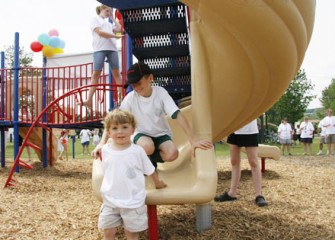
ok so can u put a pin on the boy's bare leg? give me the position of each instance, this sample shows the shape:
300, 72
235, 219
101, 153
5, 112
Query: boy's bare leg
95, 77
147, 144
131, 235
109, 234
168, 151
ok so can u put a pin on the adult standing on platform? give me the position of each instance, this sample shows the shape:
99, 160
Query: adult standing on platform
104, 29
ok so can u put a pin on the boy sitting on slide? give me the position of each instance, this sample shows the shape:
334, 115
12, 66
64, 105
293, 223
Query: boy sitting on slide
150, 105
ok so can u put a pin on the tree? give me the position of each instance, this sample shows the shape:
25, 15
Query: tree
328, 96
294, 102
25, 58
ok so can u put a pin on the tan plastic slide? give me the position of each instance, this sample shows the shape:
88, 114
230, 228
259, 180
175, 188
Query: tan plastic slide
35, 137
244, 55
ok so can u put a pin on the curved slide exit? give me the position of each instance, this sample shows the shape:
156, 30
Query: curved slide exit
244, 56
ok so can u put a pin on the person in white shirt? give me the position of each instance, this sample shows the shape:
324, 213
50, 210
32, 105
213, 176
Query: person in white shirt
123, 186
307, 131
322, 135
104, 28
329, 125
247, 137
85, 140
285, 136
96, 137
297, 134
150, 105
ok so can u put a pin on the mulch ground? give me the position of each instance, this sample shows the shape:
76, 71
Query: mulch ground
57, 203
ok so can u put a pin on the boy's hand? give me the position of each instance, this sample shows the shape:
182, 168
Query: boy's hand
160, 184
96, 152
202, 144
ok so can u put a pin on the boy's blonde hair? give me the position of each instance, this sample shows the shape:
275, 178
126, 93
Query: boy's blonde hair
119, 116
98, 9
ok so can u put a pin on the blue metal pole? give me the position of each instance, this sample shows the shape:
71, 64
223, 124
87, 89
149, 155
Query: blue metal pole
3, 140
44, 118
111, 95
129, 48
16, 96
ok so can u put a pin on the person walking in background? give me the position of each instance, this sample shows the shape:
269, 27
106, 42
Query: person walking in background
96, 137
307, 130
285, 136
247, 137
322, 135
123, 191
63, 140
297, 134
104, 28
60, 147
329, 125
85, 140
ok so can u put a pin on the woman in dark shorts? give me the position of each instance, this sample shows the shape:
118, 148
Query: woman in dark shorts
246, 137
307, 131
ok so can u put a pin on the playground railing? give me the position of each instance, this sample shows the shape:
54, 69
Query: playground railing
37, 87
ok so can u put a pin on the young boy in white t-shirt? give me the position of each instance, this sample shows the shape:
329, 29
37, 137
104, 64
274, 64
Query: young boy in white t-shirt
150, 105
123, 186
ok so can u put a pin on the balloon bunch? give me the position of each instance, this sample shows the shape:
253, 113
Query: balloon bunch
49, 44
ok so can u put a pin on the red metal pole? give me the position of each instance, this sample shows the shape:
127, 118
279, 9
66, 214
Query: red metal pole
152, 222
263, 165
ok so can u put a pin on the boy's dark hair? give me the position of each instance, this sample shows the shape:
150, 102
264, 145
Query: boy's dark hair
136, 72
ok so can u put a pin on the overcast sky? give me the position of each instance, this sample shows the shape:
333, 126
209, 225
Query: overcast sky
71, 18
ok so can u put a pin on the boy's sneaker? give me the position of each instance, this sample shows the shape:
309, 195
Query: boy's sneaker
319, 153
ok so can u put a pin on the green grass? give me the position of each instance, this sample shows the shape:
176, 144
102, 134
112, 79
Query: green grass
77, 147
220, 149
296, 150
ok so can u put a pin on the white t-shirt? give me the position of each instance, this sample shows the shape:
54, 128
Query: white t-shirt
150, 111
323, 129
123, 185
101, 43
250, 128
285, 131
96, 139
328, 123
307, 130
85, 135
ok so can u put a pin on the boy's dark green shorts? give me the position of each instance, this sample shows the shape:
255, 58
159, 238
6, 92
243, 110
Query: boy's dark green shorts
155, 157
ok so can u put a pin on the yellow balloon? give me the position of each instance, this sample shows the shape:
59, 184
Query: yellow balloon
47, 51
57, 51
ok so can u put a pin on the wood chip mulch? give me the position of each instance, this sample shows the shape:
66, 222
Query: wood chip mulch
57, 203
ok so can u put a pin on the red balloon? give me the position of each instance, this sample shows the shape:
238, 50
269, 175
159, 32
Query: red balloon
36, 46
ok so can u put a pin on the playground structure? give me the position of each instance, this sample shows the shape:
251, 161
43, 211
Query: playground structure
44, 101
244, 56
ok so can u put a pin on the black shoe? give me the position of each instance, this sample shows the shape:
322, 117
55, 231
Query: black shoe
260, 201
224, 198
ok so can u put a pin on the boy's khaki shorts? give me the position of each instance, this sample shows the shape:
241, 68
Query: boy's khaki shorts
133, 219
